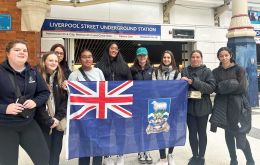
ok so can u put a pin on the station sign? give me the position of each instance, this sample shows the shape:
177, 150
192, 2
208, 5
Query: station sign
99, 30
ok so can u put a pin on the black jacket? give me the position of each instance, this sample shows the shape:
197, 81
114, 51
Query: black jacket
60, 100
139, 74
203, 81
230, 99
32, 86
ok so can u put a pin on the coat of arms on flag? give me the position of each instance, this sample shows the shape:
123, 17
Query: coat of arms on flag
111, 117
158, 113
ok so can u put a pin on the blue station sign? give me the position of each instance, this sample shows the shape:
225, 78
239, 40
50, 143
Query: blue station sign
88, 29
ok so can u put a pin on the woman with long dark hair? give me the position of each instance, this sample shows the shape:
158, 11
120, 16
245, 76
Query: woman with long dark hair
167, 71
114, 68
60, 51
231, 110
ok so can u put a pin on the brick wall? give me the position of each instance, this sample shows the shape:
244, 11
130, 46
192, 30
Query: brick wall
33, 38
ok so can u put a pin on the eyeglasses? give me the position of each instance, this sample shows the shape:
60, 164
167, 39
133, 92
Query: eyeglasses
115, 49
59, 53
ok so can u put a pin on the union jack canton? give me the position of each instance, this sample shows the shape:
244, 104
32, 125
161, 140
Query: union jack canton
100, 98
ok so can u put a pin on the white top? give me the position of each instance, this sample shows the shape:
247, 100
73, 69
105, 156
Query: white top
95, 74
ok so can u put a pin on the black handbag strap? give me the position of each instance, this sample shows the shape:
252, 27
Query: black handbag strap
17, 89
84, 74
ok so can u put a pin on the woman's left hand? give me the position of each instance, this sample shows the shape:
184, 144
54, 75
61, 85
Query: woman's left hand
64, 85
29, 104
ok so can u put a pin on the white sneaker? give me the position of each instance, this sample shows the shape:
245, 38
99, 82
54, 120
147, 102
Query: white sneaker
148, 158
141, 158
162, 162
120, 160
170, 159
108, 161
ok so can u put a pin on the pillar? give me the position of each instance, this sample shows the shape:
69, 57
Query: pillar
241, 40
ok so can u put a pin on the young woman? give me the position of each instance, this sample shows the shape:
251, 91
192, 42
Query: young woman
60, 51
87, 73
22, 91
201, 83
142, 70
167, 71
56, 105
229, 103
114, 68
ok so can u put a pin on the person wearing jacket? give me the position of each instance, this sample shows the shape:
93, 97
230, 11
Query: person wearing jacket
114, 68
201, 84
142, 70
17, 109
60, 51
55, 109
167, 71
230, 104
90, 74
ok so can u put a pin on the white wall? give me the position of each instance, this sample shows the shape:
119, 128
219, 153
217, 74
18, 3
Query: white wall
126, 11
208, 37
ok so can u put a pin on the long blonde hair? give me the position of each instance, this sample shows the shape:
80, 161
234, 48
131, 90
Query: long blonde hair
43, 69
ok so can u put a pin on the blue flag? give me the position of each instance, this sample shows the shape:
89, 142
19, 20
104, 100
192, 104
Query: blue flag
119, 117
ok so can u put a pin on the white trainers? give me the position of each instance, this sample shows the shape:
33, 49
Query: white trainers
148, 158
120, 160
108, 161
141, 158
170, 159
162, 162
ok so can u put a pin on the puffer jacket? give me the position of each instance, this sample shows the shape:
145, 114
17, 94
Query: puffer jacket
203, 81
230, 101
139, 74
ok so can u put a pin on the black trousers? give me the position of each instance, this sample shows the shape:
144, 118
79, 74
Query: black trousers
231, 144
197, 134
54, 142
97, 160
29, 137
163, 152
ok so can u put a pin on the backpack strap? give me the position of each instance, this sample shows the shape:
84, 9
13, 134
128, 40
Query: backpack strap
84, 74
176, 74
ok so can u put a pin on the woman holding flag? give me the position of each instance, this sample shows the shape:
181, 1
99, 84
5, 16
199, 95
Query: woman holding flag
167, 71
114, 68
87, 73
142, 70
201, 84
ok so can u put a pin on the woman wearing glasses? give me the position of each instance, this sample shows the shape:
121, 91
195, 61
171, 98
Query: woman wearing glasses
60, 51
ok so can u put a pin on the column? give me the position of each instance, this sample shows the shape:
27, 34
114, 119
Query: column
241, 40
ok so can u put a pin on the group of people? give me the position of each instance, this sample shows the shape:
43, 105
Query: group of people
33, 105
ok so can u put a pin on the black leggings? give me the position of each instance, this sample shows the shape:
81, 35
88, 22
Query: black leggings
230, 141
197, 134
163, 152
97, 160
29, 137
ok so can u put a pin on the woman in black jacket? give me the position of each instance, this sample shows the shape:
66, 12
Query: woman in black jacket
114, 68
201, 84
230, 104
17, 124
142, 70
56, 105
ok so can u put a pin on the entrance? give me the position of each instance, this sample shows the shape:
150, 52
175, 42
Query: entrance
181, 50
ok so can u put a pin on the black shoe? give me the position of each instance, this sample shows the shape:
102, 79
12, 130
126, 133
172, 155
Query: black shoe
250, 162
200, 161
193, 160
233, 162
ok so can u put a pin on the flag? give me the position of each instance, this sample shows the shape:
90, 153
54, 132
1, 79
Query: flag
119, 117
